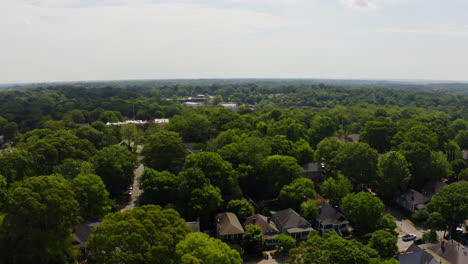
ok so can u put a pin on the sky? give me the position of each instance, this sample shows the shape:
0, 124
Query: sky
79, 40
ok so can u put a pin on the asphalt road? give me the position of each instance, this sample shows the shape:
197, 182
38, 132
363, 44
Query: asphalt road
136, 193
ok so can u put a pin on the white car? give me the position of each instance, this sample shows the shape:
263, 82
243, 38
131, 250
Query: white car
409, 237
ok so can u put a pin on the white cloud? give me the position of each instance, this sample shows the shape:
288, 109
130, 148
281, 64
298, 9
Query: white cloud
359, 4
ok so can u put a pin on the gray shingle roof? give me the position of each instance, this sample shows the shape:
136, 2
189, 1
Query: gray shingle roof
228, 224
328, 215
289, 218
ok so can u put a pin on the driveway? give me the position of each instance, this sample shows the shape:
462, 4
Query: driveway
404, 227
136, 192
270, 260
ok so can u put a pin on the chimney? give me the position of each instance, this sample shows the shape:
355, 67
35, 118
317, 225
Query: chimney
254, 219
268, 219
320, 210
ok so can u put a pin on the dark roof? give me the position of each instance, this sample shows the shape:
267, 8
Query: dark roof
415, 255
414, 197
82, 232
190, 149
311, 167
432, 187
267, 226
289, 218
449, 250
194, 226
228, 224
328, 215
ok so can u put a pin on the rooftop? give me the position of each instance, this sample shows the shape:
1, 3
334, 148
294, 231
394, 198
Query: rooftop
228, 224
328, 215
289, 218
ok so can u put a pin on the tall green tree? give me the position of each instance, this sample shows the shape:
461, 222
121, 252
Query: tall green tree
159, 187
277, 171
358, 161
92, 196
201, 248
393, 175
292, 129
217, 170
252, 240
241, 208
38, 223
115, 165
378, 135
205, 201
164, 151
385, 243
3, 192
450, 205
146, 234
298, 191
331, 248
336, 190
364, 210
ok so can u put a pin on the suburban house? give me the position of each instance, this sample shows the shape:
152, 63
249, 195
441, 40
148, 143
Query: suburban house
446, 251
412, 200
228, 227
415, 255
330, 219
269, 229
465, 156
194, 226
82, 232
432, 187
347, 138
289, 222
313, 171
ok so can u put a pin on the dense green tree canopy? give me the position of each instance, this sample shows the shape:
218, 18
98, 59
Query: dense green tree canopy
92, 196
3, 192
205, 201
298, 191
217, 170
115, 166
385, 243
252, 240
331, 248
358, 161
38, 223
451, 204
200, 248
393, 175
378, 135
147, 234
164, 151
241, 208
364, 210
277, 172
335, 190
159, 187
285, 243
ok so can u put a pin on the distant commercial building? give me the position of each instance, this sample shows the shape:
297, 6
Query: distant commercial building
231, 106
139, 122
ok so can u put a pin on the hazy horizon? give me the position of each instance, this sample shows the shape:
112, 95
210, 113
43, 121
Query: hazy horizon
105, 40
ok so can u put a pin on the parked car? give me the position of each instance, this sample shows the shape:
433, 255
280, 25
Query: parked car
409, 237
